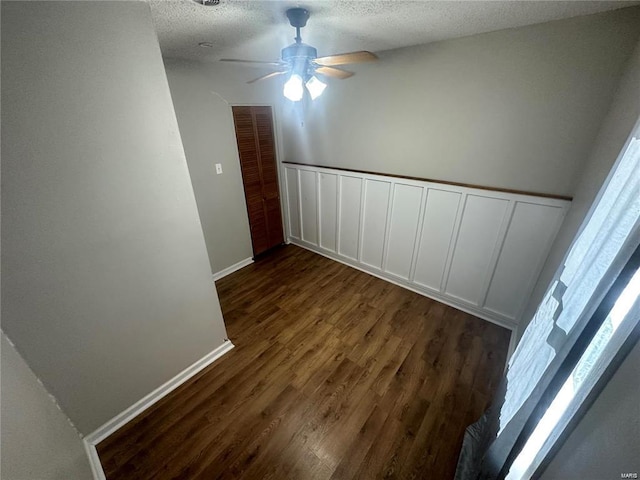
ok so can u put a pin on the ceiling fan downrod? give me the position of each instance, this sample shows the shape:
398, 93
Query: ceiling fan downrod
299, 55
298, 18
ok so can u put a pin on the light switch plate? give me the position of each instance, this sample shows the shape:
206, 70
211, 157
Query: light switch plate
218, 168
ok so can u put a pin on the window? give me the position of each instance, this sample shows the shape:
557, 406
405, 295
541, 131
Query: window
585, 322
582, 280
622, 319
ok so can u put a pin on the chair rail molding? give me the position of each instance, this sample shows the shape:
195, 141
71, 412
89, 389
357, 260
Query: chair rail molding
476, 249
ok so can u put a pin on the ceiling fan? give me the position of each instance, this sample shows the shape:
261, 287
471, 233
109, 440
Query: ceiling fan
301, 63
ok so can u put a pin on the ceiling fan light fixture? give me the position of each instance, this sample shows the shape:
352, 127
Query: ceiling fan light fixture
301, 62
294, 88
315, 87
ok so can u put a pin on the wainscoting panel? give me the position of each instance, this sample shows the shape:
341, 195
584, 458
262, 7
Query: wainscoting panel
477, 249
405, 217
328, 210
350, 202
473, 249
309, 206
532, 228
293, 200
438, 230
374, 224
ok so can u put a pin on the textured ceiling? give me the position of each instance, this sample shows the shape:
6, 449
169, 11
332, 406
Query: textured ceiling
257, 30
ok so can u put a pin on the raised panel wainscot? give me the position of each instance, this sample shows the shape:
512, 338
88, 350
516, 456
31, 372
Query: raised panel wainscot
477, 249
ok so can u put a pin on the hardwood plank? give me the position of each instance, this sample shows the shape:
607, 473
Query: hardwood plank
233, 446
377, 455
332, 446
399, 451
335, 374
270, 461
364, 440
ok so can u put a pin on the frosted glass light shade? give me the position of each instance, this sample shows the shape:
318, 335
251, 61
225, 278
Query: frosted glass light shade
315, 87
294, 88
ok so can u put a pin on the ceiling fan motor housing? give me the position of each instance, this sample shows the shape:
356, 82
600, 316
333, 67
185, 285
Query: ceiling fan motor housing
299, 57
299, 50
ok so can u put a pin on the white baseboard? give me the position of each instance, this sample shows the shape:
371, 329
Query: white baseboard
433, 295
232, 268
141, 405
94, 460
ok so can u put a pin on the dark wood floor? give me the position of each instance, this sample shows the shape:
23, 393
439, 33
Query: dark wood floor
336, 374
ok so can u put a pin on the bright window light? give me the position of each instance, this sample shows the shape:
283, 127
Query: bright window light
294, 88
315, 87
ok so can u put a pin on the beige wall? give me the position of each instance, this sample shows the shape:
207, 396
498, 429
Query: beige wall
604, 444
106, 285
623, 114
38, 442
516, 108
202, 95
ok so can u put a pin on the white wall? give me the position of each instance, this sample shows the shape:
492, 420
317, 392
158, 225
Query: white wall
106, 287
202, 95
623, 114
517, 108
38, 442
605, 442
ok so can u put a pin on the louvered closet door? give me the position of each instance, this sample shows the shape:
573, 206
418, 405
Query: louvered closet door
256, 146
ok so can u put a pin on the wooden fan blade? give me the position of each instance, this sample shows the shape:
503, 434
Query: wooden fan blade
345, 58
334, 72
264, 77
253, 62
